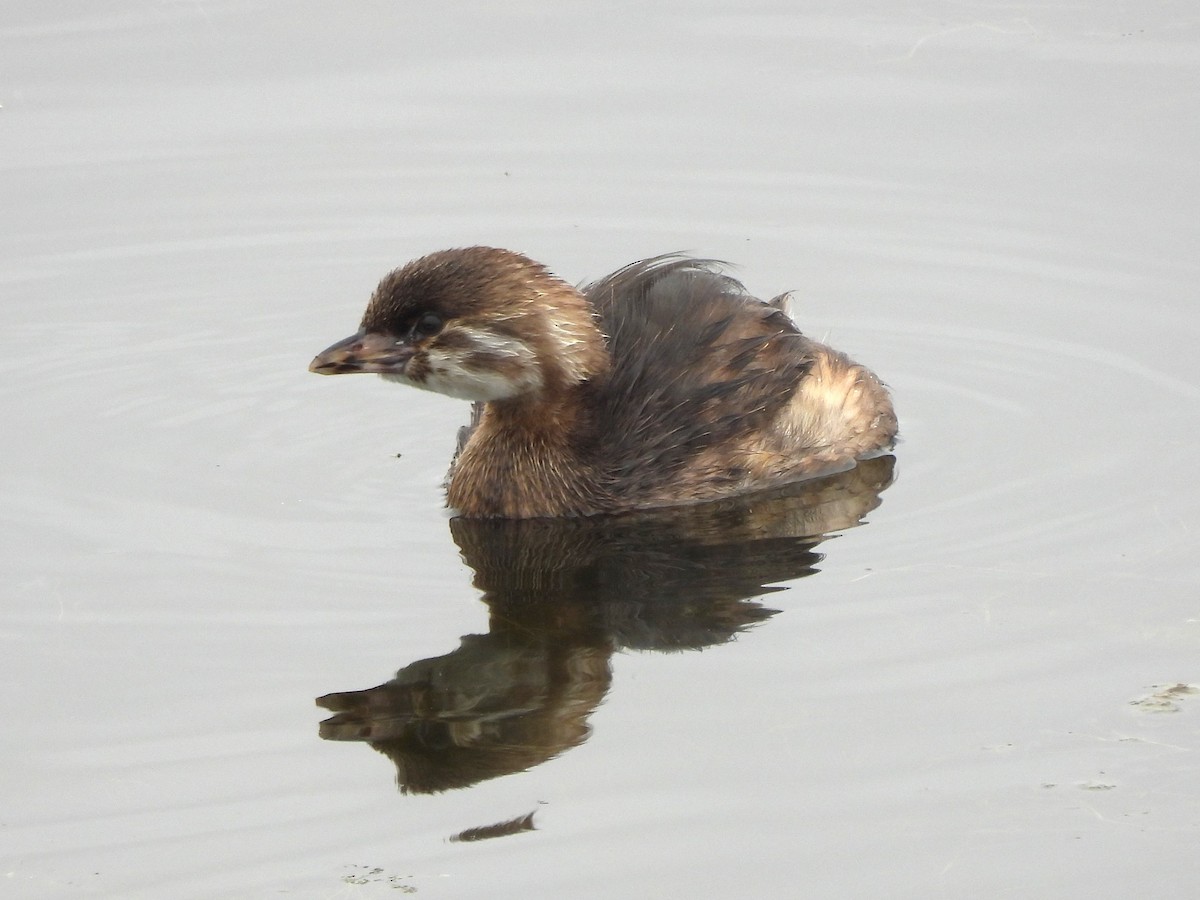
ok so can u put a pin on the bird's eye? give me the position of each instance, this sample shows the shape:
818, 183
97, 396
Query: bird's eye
427, 326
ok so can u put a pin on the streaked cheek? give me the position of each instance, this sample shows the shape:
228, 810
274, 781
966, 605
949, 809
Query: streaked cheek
415, 373
482, 365
501, 365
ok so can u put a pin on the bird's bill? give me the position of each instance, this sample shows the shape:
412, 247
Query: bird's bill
363, 352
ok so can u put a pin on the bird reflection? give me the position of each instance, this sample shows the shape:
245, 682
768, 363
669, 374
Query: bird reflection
563, 595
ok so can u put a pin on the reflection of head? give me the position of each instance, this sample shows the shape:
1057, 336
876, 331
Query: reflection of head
563, 595
492, 707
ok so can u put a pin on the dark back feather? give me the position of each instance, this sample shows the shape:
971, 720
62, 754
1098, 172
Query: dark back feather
697, 364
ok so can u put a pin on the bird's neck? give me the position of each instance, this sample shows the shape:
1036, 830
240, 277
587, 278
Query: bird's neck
526, 458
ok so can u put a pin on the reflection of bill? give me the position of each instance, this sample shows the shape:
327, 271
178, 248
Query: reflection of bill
563, 595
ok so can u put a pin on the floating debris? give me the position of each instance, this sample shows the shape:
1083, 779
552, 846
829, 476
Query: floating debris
500, 829
377, 875
1165, 697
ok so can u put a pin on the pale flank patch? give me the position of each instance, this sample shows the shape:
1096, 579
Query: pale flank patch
838, 404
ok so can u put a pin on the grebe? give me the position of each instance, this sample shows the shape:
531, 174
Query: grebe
665, 383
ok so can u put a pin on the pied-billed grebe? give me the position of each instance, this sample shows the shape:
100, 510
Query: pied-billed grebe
664, 383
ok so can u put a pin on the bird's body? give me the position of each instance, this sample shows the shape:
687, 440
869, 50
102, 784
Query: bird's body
664, 383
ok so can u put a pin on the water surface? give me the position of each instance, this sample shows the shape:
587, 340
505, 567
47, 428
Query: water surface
975, 694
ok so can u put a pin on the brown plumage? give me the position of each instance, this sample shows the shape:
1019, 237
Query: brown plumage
664, 383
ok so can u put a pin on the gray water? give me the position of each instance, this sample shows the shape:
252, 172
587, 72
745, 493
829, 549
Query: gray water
980, 692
